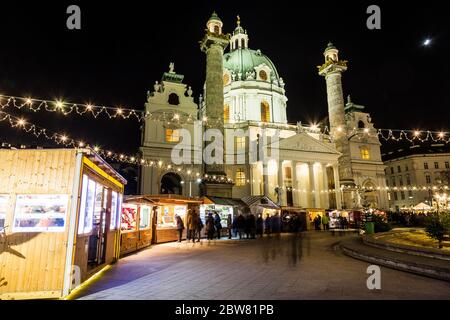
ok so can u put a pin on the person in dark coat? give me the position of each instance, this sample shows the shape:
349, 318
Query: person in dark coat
217, 224
210, 229
180, 227
259, 226
251, 226
275, 223
240, 225
268, 224
230, 225
199, 229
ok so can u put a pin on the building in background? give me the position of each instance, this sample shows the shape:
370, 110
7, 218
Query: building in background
253, 99
414, 174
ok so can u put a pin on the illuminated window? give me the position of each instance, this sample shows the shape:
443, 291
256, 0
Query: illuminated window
226, 113
172, 135
240, 143
365, 153
389, 196
265, 112
240, 177
263, 75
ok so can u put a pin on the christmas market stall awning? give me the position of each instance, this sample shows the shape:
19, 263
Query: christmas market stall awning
422, 206
261, 201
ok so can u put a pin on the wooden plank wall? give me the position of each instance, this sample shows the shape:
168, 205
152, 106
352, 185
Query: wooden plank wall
33, 263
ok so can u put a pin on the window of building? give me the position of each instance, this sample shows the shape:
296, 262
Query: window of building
263, 75
361, 124
387, 182
174, 99
400, 180
240, 177
287, 173
236, 44
365, 153
226, 113
395, 196
447, 165
399, 169
393, 181
410, 194
242, 43
389, 196
402, 195
172, 135
408, 180
428, 178
392, 170
425, 165
265, 112
436, 165
240, 143
216, 29
406, 167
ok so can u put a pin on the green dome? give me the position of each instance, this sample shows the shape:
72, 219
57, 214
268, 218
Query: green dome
214, 16
245, 60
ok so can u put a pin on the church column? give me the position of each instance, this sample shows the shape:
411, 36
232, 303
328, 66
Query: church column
250, 178
337, 187
295, 197
312, 184
266, 178
281, 183
326, 198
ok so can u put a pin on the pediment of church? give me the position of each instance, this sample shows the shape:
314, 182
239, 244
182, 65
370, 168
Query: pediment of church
305, 143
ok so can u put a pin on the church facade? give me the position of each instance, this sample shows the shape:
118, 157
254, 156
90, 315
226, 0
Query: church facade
311, 169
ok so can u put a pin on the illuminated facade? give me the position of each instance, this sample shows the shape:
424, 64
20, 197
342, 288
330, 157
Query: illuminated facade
306, 170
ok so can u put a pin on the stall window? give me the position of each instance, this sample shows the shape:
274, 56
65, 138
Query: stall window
3, 207
129, 215
144, 219
40, 213
86, 205
115, 209
166, 215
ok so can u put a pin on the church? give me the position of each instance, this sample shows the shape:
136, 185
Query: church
340, 168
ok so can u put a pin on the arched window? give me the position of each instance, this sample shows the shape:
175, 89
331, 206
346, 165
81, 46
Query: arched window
361, 124
240, 177
263, 75
236, 44
226, 113
174, 99
265, 112
216, 29
242, 43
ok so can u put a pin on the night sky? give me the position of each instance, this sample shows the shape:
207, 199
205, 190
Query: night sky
123, 47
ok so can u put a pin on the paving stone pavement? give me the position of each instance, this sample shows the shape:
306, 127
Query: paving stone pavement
305, 266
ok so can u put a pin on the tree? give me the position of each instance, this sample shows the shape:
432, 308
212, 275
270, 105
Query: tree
437, 225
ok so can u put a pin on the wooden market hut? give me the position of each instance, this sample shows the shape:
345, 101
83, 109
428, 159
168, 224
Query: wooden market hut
59, 212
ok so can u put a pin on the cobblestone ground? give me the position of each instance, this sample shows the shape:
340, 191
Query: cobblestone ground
306, 266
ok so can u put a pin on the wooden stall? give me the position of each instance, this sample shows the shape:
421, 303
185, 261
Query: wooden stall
136, 224
59, 209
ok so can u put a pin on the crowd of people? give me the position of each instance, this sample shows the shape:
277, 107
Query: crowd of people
323, 223
244, 227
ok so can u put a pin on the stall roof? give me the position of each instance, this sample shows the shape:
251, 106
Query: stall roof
101, 163
225, 201
262, 201
163, 198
